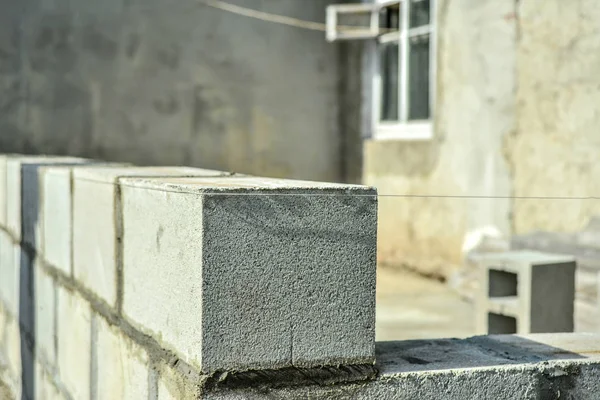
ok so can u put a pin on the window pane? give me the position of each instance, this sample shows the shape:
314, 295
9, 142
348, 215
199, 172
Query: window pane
419, 78
389, 81
389, 17
419, 13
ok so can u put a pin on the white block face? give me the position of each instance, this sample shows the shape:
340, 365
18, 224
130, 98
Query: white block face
122, 365
13, 198
234, 282
57, 224
9, 273
45, 307
22, 194
74, 343
3, 191
96, 219
12, 344
163, 232
94, 238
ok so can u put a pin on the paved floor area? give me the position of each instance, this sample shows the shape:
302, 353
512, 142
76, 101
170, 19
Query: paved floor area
412, 307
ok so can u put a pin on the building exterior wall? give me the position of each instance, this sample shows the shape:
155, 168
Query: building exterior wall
155, 82
555, 151
474, 116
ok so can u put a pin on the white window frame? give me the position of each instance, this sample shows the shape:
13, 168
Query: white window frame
333, 33
403, 129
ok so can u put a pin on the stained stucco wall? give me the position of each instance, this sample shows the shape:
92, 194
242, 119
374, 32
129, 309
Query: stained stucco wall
474, 115
159, 82
557, 148
517, 115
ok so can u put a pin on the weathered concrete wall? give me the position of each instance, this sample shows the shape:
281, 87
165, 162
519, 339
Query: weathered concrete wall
162, 83
555, 151
474, 113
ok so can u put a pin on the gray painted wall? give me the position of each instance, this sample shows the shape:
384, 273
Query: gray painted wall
176, 82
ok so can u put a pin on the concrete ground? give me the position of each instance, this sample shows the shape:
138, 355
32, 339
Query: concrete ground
412, 307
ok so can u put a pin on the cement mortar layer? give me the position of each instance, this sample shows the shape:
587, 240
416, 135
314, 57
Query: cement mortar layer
542, 366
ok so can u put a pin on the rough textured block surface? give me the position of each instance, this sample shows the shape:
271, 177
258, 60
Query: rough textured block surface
96, 222
122, 365
45, 388
241, 273
74, 343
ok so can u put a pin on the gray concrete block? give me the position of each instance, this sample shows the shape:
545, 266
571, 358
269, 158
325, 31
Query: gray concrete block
23, 199
122, 366
96, 222
245, 273
74, 343
525, 292
45, 317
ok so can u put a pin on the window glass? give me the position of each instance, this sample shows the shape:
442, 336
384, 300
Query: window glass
390, 69
418, 77
419, 13
389, 18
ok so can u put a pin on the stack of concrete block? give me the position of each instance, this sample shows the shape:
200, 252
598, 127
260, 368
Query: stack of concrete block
525, 292
120, 281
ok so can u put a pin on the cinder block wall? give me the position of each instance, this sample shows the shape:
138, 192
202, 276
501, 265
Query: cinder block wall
125, 282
